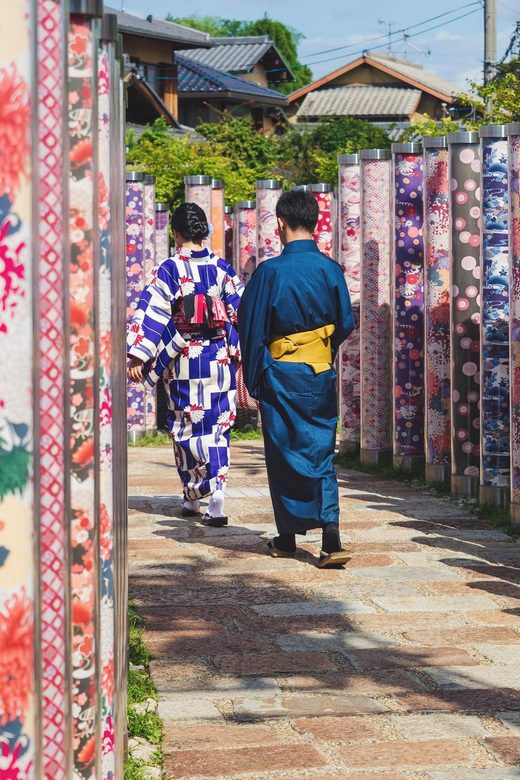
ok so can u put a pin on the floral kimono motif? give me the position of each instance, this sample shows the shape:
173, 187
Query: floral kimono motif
184, 331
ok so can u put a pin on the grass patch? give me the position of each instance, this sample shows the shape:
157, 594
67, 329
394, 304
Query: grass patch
139, 653
134, 769
159, 439
247, 434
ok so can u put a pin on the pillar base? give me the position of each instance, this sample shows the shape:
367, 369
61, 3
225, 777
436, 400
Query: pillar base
134, 436
464, 487
348, 447
411, 464
375, 457
437, 472
494, 496
150, 432
514, 510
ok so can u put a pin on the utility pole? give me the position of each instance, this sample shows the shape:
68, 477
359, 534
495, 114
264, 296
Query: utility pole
490, 40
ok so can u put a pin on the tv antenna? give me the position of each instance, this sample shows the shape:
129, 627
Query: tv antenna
382, 23
407, 42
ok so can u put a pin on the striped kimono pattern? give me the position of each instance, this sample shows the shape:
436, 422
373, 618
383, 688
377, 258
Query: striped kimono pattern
196, 364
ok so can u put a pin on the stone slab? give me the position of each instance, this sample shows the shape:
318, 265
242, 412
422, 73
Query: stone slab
409, 755
175, 707
322, 607
305, 706
435, 603
327, 643
511, 720
438, 726
475, 676
405, 573
501, 654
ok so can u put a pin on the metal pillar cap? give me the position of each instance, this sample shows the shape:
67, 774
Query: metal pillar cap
321, 187
374, 154
198, 180
348, 159
229, 209
513, 128
217, 184
162, 207
109, 30
269, 184
412, 148
149, 178
493, 131
246, 204
301, 188
463, 138
134, 176
434, 141
86, 7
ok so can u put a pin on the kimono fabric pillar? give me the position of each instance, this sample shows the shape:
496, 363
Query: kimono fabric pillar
324, 194
268, 193
464, 175
437, 432
150, 412
19, 435
217, 217
245, 239
198, 190
134, 287
408, 306
53, 383
375, 319
335, 223
349, 257
83, 399
514, 313
228, 235
162, 235
494, 326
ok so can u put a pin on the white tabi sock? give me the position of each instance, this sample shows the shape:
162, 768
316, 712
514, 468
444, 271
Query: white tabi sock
216, 504
191, 506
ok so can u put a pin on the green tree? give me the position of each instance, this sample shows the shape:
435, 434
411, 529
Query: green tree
216, 26
504, 94
428, 127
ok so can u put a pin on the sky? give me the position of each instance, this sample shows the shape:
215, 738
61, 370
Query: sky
455, 49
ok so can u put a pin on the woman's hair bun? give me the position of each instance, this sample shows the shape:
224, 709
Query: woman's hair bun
190, 221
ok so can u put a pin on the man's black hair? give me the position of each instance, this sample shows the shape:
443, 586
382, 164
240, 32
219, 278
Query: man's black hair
299, 209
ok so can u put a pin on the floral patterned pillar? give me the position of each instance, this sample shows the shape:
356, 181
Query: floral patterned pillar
162, 235
408, 306
150, 413
324, 194
217, 217
83, 400
228, 234
494, 327
514, 312
349, 256
198, 190
18, 417
437, 433
245, 237
51, 62
134, 286
464, 175
268, 193
375, 317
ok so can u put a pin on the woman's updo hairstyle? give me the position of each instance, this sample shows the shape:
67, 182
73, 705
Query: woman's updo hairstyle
190, 221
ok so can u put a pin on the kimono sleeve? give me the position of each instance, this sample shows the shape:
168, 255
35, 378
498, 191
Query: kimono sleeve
254, 330
233, 290
343, 314
152, 325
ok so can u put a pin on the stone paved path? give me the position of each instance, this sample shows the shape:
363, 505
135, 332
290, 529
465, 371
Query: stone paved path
404, 665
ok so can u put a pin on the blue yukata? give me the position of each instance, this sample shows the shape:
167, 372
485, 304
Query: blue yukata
184, 329
299, 291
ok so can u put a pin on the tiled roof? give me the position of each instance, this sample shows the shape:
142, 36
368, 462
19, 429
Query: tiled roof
237, 55
158, 28
416, 72
197, 78
362, 101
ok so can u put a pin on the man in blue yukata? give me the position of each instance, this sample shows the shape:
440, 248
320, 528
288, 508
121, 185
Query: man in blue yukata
294, 314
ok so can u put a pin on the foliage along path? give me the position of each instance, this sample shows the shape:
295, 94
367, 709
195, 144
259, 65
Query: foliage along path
404, 665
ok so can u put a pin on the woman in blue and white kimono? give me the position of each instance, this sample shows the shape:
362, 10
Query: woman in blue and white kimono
183, 330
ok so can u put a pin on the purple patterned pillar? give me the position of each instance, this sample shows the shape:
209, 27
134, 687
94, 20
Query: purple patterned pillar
349, 256
198, 190
150, 413
245, 237
268, 193
514, 313
134, 286
437, 309
162, 234
228, 234
408, 306
375, 319
324, 194
495, 451
465, 240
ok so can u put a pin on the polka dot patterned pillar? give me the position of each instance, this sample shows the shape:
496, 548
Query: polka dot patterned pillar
494, 345
408, 306
464, 174
514, 313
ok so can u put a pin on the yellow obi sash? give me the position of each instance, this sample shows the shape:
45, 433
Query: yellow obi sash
312, 348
